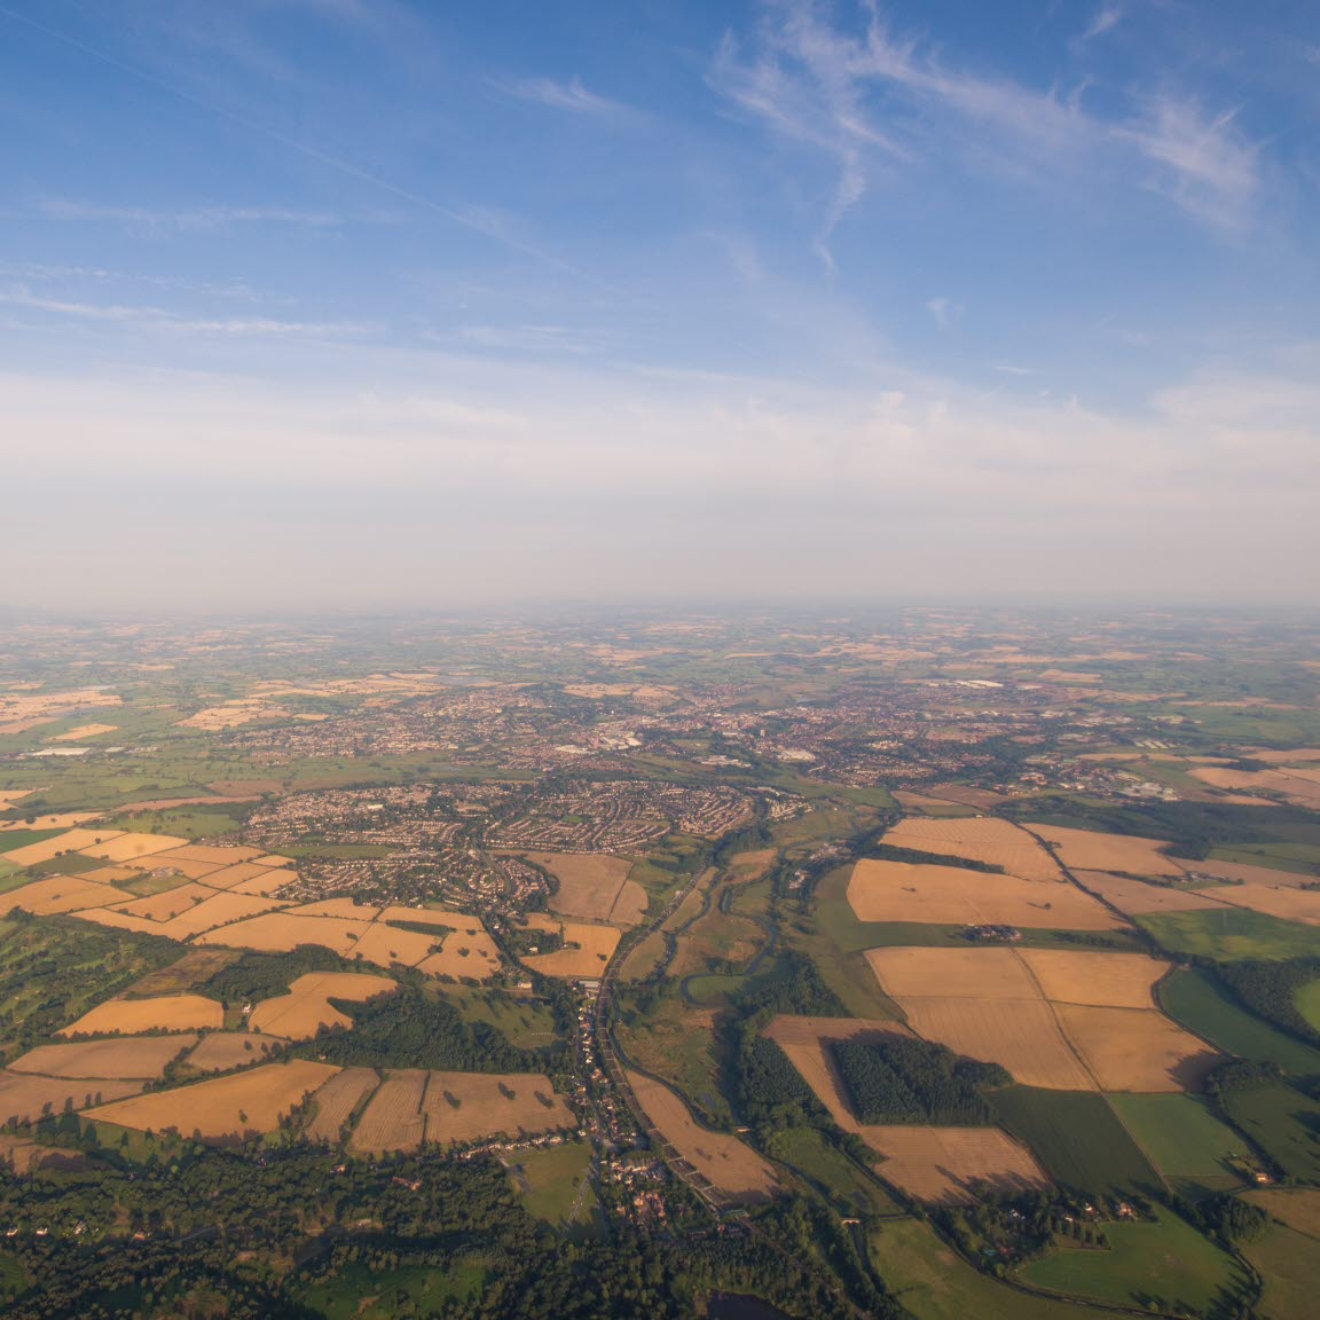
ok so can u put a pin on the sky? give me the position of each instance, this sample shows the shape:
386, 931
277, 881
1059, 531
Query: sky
351, 304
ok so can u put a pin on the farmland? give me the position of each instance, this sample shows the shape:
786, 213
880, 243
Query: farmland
231, 1106
1166, 1262
155, 1013
1071, 1021
983, 839
586, 948
298, 960
933, 1282
594, 887
1181, 1136
900, 891
1192, 998
725, 1161
1077, 1138
307, 1008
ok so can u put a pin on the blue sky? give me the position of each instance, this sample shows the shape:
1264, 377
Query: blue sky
373, 302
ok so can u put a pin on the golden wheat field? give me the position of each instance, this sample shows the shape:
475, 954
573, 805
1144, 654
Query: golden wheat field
220, 1051
950, 895
242, 1102
169, 904
1088, 850
129, 847
336, 907
1286, 901
1105, 980
220, 910
1021, 1035
386, 945
1130, 1050
1136, 896
160, 1013
28, 1098
337, 1100
995, 972
132, 1057
59, 893
106, 916
280, 932
464, 1107
226, 877
45, 849
1297, 787
299, 1014
944, 1165
1054, 1018
393, 1118
268, 882
216, 854
979, 839
593, 886
63, 820
586, 951
729, 1165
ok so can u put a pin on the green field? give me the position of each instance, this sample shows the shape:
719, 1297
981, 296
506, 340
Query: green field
550, 1183
10, 840
193, 822
1076, 1137
1307, 1000
853, 1190
834, 940
1189, 996
1181, 1136
1230, 934
1283, 1122
1166, 1264
359, 1293
932, 1282
526, 1021
1289, 1264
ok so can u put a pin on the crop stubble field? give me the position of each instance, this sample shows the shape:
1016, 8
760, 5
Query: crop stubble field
729, 1165
1053, 1018
934, 1164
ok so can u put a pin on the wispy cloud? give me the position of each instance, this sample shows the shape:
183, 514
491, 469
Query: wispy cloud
159, 319
874, 101
1204, 163
193, 219
570, 95
945, 311
1106, 17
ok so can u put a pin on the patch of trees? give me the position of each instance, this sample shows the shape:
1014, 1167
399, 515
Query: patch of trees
412, 1030
793, 986
1269, 989
896, 1079
1240, 1075
1226, 1218
257, 976
888, 852
767, 1088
